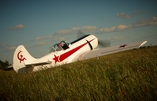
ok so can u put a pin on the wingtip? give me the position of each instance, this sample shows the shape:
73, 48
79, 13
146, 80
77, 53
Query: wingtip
143, 43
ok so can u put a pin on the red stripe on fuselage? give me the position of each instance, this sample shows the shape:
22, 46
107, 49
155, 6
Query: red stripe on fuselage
69, 53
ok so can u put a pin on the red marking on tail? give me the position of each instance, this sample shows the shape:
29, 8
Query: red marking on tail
20, 56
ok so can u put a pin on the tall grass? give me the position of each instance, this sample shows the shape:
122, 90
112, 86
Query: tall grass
125, 76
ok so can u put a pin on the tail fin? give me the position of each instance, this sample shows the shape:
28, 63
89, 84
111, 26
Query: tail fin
21, 57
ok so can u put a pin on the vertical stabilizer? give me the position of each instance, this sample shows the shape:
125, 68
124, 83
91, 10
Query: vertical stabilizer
20, 58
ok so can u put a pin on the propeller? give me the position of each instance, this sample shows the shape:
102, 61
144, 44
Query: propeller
80, 33
104, 43
101, 43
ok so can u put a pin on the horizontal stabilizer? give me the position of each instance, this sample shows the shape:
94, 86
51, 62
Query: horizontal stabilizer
38, 63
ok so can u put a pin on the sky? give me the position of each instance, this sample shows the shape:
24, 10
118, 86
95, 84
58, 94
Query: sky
39, 24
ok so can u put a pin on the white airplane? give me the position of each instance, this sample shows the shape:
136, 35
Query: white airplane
63, 53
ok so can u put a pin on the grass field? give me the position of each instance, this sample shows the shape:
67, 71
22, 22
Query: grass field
125, 76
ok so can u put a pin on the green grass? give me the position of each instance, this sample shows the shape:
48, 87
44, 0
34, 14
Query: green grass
125, 76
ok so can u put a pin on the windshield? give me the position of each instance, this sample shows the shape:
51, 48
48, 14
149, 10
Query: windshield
55, 47
59, 46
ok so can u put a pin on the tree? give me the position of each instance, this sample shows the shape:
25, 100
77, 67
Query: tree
4, 65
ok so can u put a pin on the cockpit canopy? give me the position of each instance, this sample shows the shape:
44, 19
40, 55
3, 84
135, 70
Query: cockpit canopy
59, 46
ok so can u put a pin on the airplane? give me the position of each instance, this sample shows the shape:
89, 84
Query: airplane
63, 52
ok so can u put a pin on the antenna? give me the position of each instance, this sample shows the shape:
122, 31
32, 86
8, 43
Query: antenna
41, 53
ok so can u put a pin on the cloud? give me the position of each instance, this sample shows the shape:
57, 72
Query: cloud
148, 22
42, 43
11, 48
135, 13
65, 31
59, 35
75, 29
116, 38
38, 38
92, 29
89, 28
4, 45
49, 37
123, 27
8, 47
59, 38
44, 37
115, 28
139, 12
41, 40
123, 15
19, 26
154, 18
107, 29
141, 23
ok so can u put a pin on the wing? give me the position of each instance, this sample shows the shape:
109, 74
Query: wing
110, 50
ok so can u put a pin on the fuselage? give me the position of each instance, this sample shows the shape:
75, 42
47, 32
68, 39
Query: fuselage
71, 54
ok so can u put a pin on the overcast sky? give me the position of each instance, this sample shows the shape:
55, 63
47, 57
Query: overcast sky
38, 24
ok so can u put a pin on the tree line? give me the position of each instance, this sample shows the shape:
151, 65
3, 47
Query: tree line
4, 64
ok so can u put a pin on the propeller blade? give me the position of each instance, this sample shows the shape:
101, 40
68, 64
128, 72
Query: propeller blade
104, 43
80, 34
101, 43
